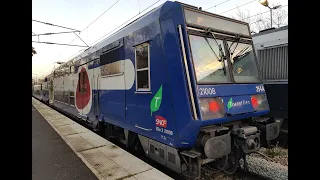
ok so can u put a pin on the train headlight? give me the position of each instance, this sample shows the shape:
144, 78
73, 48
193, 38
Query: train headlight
212, 108
259, 102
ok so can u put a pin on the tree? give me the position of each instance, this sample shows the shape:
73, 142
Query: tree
262, 20
33, 51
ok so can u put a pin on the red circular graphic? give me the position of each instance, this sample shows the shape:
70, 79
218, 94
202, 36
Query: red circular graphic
83, 91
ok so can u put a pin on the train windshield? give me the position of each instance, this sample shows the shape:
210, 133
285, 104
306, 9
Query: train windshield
244, 67
210, 67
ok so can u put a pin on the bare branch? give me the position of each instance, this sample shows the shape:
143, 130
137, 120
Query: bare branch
262, 20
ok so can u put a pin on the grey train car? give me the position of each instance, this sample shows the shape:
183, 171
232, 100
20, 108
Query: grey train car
272, 54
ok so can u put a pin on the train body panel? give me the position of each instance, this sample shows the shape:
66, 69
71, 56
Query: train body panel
37, 91
145, 80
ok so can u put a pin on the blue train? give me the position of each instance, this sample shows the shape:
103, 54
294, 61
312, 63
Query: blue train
178, 84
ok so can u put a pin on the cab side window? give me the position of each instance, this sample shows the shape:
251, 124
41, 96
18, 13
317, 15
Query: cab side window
142, 66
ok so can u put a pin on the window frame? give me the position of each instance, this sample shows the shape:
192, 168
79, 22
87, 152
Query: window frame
254, 60
115, 74
118, 48
74, 100
222, 39
225, 38
142, 69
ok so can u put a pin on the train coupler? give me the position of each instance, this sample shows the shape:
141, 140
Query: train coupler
248, 138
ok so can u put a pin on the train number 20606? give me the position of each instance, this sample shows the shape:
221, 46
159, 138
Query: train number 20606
207, 91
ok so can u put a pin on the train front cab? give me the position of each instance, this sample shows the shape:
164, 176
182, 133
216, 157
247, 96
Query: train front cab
227, 99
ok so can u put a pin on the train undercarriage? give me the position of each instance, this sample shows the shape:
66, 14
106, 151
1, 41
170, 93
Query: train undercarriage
218, 148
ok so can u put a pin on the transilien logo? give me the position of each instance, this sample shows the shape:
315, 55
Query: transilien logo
229, 105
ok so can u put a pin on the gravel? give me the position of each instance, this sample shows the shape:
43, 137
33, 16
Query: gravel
281, 157
268, 164
266, 168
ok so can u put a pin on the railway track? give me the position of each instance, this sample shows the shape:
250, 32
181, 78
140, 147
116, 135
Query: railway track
238, 175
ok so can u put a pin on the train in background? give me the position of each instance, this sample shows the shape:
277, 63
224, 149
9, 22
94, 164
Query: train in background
179, 85
271, 46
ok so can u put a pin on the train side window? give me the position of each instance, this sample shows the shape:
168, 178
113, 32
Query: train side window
110, 64
142, 66
71, 98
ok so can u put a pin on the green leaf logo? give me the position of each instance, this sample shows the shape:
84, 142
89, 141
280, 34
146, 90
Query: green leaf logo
156, 101
229, 105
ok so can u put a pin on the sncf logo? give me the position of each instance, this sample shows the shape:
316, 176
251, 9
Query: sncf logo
161, 122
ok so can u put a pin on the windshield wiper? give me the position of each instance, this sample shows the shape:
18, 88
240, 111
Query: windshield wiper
237, 37
212, 49
221, 53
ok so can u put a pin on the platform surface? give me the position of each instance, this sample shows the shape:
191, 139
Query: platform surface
52, 158
104, 159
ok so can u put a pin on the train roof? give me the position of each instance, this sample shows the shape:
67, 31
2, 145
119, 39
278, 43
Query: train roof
268, 31
271, 38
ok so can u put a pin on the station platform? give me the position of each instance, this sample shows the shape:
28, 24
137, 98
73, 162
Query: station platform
62, 149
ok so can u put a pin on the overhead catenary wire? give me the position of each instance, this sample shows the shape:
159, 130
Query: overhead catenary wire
44, 34
81, 39
53, 25
93, 22
238, 6
101, 15
262, 13
114, 29
217, 5
58, 43
124, 23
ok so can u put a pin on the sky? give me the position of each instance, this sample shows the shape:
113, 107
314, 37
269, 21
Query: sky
78, 14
